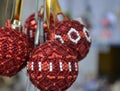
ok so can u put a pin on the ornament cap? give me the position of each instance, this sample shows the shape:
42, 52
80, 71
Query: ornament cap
16, 25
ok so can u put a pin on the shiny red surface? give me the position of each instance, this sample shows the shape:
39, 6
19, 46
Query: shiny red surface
82, 47
13, 51
55, 80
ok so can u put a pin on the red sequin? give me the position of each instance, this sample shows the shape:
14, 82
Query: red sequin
13, 51
73, 35
53, 67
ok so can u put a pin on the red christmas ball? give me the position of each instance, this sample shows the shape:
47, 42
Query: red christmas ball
53, 67
13, 51
74, 35
30, 27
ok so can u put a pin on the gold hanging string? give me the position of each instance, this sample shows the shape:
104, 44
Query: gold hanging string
54, 5
56, 8
48, 6
16, 24
18, 9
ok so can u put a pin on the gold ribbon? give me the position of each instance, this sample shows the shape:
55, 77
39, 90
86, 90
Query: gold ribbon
48, 6
18, 9
16, 24
54, 5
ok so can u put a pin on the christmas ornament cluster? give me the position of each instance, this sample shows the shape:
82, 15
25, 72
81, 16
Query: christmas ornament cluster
52, 65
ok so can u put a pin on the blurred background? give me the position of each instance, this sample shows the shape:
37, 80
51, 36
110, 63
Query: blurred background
100, 70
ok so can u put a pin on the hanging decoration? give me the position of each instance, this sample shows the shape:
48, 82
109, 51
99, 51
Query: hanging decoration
30, 27
53, 67
74, 34
51, 48
13, 46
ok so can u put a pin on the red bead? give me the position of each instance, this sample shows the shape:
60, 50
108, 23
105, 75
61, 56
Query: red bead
53, 67
74, 35
13, 51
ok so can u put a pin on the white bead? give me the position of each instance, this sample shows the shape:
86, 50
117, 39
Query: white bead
31, 33
61, 66
40, 66
60, 38
51, 67
32, 66
76, 66
70, 37
70, 67
87, 37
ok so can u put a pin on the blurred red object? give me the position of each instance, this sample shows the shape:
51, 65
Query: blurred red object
105, 22
13, 51
53, 67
